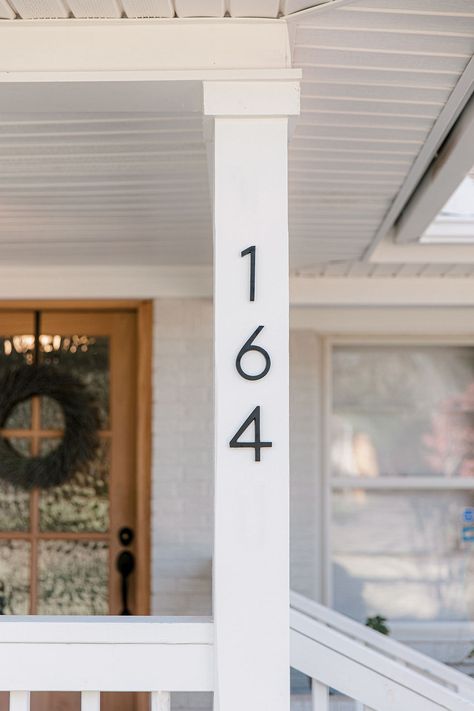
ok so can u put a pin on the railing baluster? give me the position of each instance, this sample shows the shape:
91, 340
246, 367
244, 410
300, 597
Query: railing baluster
90, 701
19, 701
160, 701
320, 696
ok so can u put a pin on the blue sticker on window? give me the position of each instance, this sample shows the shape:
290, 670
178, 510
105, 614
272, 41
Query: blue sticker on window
468, 515
468, 533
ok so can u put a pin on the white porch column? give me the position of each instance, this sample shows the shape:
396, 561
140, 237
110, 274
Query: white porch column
251, 537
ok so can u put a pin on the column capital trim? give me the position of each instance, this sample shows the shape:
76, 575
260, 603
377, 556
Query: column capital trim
253, 98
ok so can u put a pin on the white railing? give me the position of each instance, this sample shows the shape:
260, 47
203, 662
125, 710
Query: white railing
386, 646
163, 655
92, 654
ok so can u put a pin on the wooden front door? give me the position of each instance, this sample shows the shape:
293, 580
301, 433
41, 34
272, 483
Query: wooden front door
59, 546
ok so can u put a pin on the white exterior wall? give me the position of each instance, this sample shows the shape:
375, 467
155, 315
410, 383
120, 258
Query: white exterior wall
183, 451
183, 456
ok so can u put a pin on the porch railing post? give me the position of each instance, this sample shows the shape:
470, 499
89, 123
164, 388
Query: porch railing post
251, 537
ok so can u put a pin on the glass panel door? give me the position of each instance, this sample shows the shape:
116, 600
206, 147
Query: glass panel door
59, 546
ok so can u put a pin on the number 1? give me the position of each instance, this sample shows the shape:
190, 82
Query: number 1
251, 251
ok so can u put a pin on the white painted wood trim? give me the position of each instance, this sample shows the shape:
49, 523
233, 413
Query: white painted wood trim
19, 701
90, 701
157, 76
319, 696
402, 483
122, 282
390, 252
326, 533
378, 291
364, 674
252, 98
160, 701
97, 48
387, 325
385, 645
104, 282
448, 170
251, 538
63, 654
106, 630
450, 112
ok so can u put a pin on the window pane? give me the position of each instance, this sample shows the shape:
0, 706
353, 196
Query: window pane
403, 411
401, 554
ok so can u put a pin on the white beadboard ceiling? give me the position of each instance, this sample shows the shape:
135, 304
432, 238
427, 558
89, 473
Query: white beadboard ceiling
54, 9
125, 188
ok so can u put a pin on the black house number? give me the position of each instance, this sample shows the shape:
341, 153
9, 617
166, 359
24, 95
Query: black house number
254, 418
247, 348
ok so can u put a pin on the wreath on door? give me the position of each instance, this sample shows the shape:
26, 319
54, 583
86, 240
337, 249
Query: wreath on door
81, 417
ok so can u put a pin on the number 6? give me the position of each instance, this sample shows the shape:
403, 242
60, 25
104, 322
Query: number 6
246, 348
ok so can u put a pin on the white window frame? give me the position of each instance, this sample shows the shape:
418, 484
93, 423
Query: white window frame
398, 483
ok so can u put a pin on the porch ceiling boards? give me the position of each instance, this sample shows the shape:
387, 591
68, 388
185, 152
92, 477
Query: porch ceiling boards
377, 77
114, 188
49, 9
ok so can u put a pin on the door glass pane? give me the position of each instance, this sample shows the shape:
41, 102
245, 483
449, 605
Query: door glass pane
15, 502
87, 357
401, 554
73, 577
15, 576
403, 411
20, 416
14, 508
82, 503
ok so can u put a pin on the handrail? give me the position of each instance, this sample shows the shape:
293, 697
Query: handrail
162, 655
387, 646
91, 654
380, 682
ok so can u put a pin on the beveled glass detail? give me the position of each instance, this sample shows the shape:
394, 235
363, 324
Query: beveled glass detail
87, 358
15, 502
20, 416
22, 445
82, 503
14, 508
15, 576
73, 577
52, 416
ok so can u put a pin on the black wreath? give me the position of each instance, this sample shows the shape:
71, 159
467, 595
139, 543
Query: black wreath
80, 440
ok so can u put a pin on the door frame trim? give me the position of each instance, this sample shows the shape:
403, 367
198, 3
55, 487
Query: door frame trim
144, 454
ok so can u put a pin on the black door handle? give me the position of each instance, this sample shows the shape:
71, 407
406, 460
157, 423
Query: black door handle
125, 566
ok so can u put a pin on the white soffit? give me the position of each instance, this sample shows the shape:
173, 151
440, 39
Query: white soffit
116, 188
377, 74
50, 9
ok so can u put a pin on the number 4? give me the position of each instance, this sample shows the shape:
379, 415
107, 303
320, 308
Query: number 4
257, 444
